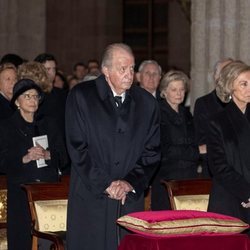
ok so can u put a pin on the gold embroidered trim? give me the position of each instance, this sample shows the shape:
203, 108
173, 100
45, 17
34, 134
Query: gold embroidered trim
182, 226
3, 205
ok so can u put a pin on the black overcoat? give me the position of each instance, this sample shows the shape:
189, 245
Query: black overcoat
6, 110
53, 105
105, 144
180, 153
205, 107
229, 161
16, 138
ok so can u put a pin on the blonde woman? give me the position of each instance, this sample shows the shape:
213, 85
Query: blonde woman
179, 152
229, 143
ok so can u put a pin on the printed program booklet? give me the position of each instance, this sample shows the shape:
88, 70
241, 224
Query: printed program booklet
43, 142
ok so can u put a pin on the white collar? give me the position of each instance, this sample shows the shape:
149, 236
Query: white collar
122, 95
4, 95
154, 94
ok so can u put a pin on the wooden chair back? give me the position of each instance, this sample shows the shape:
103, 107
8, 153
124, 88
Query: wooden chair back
188, 194
3, 201
3, 212
147, 199
42, 198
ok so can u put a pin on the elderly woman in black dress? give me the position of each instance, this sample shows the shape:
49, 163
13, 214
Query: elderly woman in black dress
180, 154
229, 144
19, 155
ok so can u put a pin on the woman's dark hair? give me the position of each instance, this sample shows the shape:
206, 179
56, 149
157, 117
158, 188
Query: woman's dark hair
42, 58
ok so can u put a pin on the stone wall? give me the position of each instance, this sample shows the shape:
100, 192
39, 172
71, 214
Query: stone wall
80, 30
220, 29
71, 30
22, 27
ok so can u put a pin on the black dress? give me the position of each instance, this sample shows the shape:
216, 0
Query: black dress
180, 154
16, 138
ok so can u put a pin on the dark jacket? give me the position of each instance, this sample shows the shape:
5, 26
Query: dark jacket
180, 153
229, 161
5, 108
105, 144
53, 105
16, 138
205, 107
158, 95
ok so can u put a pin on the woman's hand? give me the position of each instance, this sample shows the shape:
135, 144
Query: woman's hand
203, 149
46, 152
35, 153
246, 205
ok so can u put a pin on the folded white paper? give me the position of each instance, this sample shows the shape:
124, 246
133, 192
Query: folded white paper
43, 142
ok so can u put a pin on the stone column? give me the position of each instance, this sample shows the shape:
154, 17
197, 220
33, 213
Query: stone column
22, 27
220, 29
178, 38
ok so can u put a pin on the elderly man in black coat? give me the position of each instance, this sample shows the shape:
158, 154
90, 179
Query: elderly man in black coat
8, 78
114, 148
205, 107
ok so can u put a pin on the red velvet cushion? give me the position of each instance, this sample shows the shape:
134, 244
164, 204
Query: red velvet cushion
171, 222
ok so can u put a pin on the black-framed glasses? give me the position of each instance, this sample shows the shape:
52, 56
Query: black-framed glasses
29, 96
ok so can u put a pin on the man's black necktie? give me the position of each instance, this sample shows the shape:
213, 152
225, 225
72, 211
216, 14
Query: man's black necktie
118, 101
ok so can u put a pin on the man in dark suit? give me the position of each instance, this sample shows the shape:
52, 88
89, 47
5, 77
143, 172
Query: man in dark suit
149, 76
55, 98
205, 107
8, 78
114, 147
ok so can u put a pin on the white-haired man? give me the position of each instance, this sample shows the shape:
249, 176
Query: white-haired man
113, 138
149, 76
204, 108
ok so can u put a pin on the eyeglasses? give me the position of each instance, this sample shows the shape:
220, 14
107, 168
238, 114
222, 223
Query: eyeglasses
29, 96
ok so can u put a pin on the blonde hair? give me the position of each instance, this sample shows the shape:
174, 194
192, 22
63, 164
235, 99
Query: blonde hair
170, 76
224, 84
36, 72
